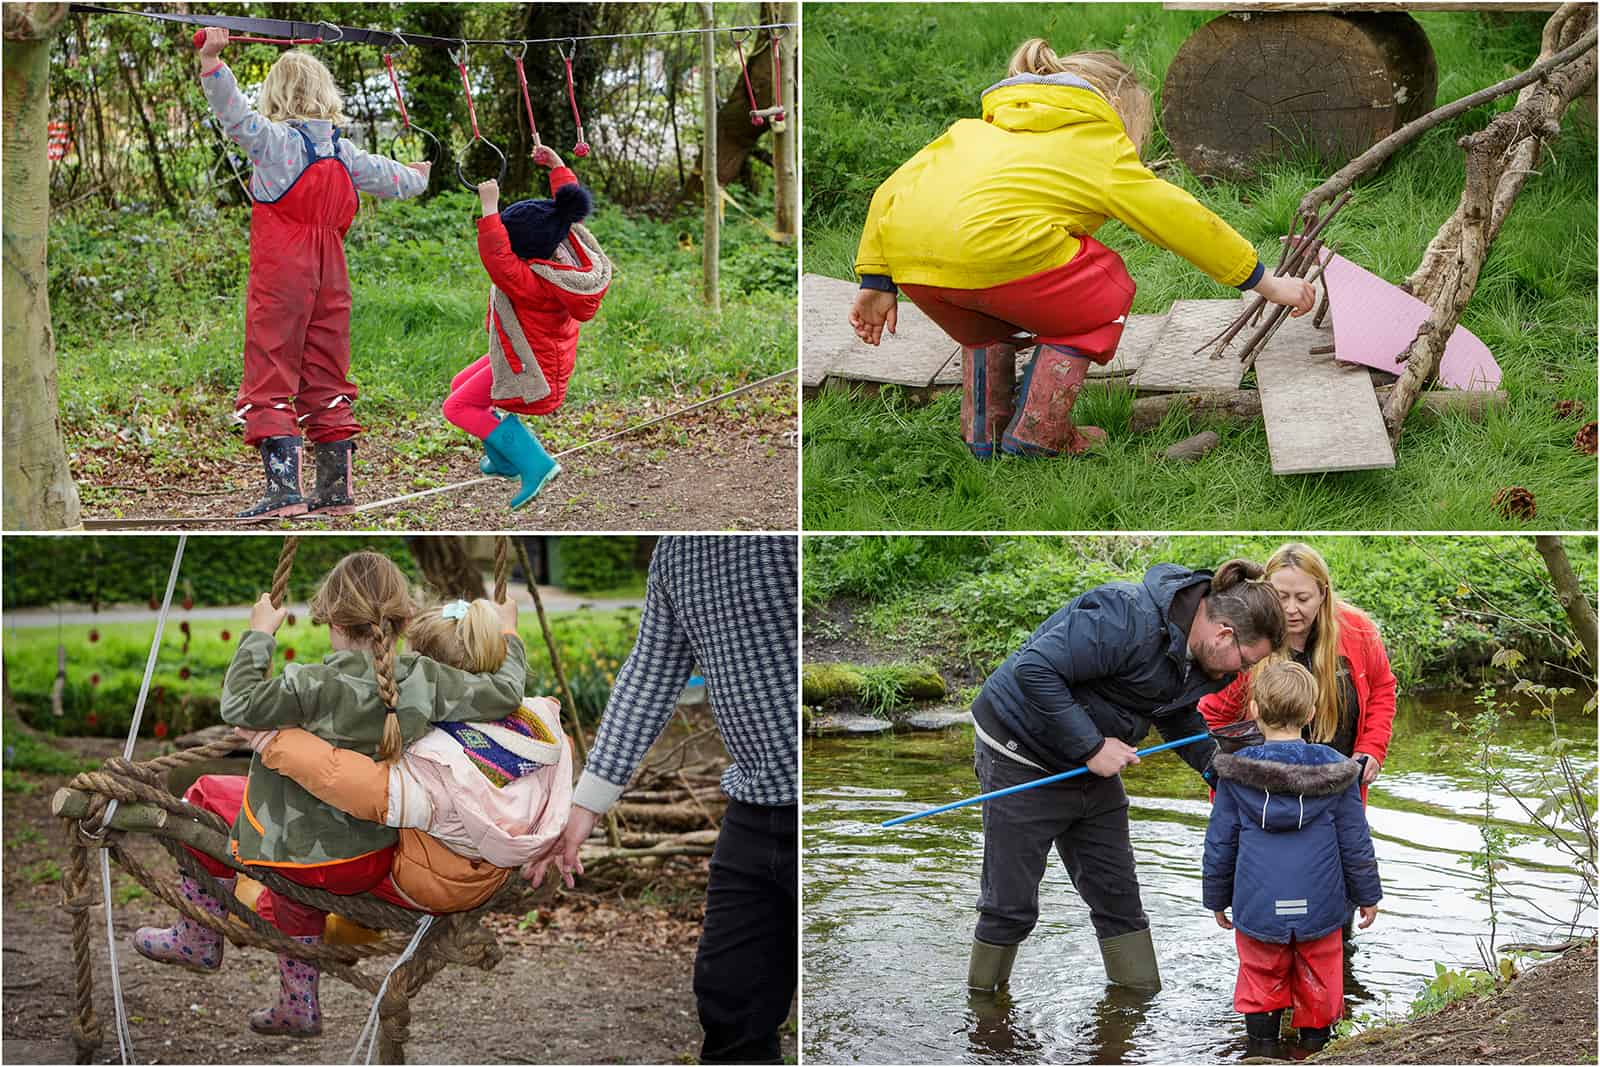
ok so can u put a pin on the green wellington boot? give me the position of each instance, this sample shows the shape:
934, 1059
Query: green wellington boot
1130, 960
989, 968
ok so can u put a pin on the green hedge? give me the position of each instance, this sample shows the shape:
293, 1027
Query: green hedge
1442, 603
216, 570
105, 665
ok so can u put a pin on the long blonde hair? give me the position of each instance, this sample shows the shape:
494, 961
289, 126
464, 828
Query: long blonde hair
299, 87
1110, 76
472, 643
366, 596
1323, 635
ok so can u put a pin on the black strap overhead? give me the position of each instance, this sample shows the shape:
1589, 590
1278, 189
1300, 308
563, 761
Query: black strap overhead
276, 27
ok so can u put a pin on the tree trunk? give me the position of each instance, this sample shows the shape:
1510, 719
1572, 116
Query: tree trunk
785, 182
1580, 613
1499, 159
39, 493
448, 569
152, 144
709, 154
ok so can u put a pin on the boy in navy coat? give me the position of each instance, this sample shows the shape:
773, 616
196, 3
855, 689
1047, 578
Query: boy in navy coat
1288, 850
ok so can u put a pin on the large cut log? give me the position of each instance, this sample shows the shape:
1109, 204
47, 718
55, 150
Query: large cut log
1296, 83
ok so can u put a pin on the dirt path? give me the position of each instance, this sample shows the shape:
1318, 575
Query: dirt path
586, 978
732, 467
1546, 1015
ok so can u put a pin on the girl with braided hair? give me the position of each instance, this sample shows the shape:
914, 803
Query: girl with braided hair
472, 801
364, 697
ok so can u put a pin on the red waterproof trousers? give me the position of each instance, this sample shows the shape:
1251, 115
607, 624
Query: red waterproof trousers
297, 311
1305, 975
223, 794
1082, 305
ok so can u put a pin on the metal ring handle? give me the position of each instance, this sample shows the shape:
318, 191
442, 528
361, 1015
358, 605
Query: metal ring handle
433, 157
471, 187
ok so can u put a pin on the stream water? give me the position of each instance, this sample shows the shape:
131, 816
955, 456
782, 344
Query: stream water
889, 912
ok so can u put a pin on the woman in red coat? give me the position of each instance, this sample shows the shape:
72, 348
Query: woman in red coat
548, 274
1340, 645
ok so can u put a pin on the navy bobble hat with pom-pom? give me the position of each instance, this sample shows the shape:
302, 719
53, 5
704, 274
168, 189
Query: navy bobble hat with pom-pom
537, 227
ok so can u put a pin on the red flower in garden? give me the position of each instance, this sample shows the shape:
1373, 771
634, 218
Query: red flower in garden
226, 636
94, 635
288, 654
161, 729
188, 604
91, 719
94, 679
155, 605
183, 673
184, 626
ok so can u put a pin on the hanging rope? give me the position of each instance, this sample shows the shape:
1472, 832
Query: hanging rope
522, 80
780, 117
472, 112
581, 149
405, 118
280, 574
502, 567
756, 118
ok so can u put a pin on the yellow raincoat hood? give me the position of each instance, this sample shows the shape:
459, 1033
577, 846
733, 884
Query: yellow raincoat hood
1000, 198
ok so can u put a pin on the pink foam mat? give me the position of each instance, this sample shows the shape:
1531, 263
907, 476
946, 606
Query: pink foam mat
1374, 321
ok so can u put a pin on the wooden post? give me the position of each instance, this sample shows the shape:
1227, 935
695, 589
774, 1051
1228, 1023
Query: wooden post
708, 155
785, 181
39, 491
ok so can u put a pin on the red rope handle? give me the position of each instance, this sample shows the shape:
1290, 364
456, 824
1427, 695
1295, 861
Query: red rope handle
581, 149
744, 68
461, 65
388, 61
777, 70
522, 79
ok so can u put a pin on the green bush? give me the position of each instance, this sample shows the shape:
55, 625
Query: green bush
593, 564
105, 666
1442, 603
216, 570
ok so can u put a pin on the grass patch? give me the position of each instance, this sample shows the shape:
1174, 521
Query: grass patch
135, 291
882, 463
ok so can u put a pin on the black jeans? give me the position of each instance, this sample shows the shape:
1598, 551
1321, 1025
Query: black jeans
748, 964
1085, 818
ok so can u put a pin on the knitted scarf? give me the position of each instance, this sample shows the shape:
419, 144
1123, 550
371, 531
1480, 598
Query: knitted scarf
508, 749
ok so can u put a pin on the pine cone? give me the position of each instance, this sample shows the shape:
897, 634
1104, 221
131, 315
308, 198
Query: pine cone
1515, 502
1569, 409
1584, 440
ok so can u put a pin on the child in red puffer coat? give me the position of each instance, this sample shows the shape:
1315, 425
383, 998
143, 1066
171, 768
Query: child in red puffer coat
549, 274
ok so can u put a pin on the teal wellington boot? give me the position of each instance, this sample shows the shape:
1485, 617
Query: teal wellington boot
495, 465
511, 445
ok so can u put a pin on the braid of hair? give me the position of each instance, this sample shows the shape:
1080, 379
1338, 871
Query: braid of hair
383, 663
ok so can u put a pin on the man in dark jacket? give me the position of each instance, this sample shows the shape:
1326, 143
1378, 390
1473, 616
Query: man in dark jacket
1289, 851
1082, 692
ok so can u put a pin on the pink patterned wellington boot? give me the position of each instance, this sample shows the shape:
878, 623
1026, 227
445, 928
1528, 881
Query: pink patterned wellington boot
1043, 425
988, 385
186, 943
297, 1013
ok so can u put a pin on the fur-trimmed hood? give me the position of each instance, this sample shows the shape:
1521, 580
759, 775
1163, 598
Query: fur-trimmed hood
1272, 774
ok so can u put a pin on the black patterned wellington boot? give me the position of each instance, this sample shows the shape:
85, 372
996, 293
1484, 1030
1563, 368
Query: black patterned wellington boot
335, 491
281, 458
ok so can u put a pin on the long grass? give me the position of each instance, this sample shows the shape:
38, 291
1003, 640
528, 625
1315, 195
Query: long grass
882, 80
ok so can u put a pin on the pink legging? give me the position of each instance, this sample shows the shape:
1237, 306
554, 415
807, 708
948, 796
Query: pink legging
469, 405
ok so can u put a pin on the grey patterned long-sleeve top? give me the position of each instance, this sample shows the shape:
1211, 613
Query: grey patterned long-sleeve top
278, 152
728, 604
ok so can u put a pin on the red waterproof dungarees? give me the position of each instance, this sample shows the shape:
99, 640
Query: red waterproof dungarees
297, 309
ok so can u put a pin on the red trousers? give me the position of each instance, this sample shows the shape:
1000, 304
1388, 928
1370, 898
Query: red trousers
1305, 975
223, 794
470, 405
297, 312
1082, 304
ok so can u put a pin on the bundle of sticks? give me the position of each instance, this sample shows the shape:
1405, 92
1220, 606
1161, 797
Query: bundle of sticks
666, 811
1301, 257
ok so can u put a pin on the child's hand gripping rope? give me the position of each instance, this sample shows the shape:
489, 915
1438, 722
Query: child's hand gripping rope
265, 617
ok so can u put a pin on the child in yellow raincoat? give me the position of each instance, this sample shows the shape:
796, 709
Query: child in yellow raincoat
988, 231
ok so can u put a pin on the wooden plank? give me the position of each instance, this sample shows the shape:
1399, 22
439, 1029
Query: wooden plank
1172, 366
912, 356
1321, 415
1137, 339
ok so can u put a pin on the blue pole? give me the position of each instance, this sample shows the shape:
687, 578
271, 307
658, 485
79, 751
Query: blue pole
1008, 790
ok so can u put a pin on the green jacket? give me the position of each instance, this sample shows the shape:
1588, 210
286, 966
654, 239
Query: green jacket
282, 825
